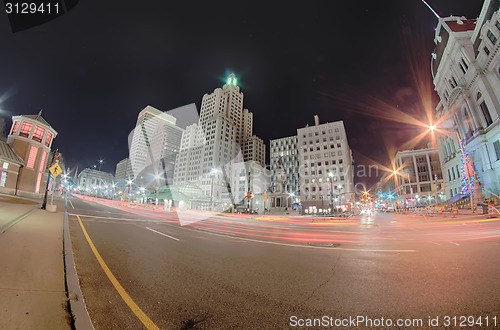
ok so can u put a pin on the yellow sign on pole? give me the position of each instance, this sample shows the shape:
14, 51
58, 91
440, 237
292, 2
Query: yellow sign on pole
55, 170
264, 195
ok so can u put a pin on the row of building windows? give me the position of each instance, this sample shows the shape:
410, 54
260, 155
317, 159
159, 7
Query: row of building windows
26, 129
323, 132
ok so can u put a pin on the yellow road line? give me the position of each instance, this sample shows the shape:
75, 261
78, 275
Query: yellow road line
128, 300
71, 204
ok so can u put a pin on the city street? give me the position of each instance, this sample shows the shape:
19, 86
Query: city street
268, 272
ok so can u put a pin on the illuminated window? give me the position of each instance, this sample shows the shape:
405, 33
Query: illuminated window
38, 181
15, 127
48, 139
3, 179
38, 134
32, 157
42, 161
5, 166
25, 129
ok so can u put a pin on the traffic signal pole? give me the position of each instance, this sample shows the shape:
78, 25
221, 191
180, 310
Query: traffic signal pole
44, 203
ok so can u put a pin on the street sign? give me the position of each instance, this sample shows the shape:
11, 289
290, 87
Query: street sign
55, 170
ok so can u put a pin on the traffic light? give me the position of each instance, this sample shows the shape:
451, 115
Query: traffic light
251, 195
57, 154
246, 194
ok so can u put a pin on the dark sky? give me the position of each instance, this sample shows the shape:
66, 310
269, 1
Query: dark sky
93, 69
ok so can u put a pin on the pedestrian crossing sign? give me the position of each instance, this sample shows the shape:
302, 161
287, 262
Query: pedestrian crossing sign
55, 170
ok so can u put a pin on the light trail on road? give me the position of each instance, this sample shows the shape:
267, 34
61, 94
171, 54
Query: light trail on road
306, 230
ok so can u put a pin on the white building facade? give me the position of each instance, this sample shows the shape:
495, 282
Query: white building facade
154, 147
326, 168
222, 137
466, 76
252, 180
285, 152
95, 182
419, 180
124, 170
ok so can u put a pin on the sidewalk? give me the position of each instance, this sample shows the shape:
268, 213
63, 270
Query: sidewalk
32, 279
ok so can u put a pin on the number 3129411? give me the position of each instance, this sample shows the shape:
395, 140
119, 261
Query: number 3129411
31, 8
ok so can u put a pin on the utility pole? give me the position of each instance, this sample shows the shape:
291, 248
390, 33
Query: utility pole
55, 157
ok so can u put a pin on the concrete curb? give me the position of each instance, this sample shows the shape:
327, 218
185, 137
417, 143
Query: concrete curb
79, 313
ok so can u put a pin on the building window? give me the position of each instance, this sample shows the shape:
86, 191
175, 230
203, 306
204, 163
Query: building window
492, 37
38, 134
3, 179
25, 129
48, 139
32, 157
42, 161
496, 145
486, 50
486, 113
15, 127
5, 165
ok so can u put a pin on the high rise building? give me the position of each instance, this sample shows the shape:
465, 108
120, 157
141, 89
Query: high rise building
254, 150
466, 74
326, 168
154, 147
124, 170
209, 147
284, 152
418, 179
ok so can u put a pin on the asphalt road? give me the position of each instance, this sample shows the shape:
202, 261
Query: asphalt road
267, 273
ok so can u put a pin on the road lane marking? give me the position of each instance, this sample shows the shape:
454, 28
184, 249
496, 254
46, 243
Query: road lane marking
295, 245
128, 300
453, 243
117, 219
159, 232
199, 230
71, 204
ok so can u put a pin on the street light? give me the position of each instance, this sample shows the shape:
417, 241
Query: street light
330, 174
100, 163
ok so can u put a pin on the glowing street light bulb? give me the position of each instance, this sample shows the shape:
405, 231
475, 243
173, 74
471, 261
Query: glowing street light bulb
432, 127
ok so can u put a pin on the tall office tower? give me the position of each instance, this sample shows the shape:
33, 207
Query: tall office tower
284, 152
210, 147
254, 150
124, 170
326, 170
465, 70
154, 147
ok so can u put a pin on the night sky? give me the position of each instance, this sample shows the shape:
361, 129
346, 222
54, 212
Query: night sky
95, 68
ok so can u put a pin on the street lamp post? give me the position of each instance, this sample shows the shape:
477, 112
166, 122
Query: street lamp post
330, 174
212, 173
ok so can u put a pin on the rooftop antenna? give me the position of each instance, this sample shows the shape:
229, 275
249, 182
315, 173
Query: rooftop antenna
433, 11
